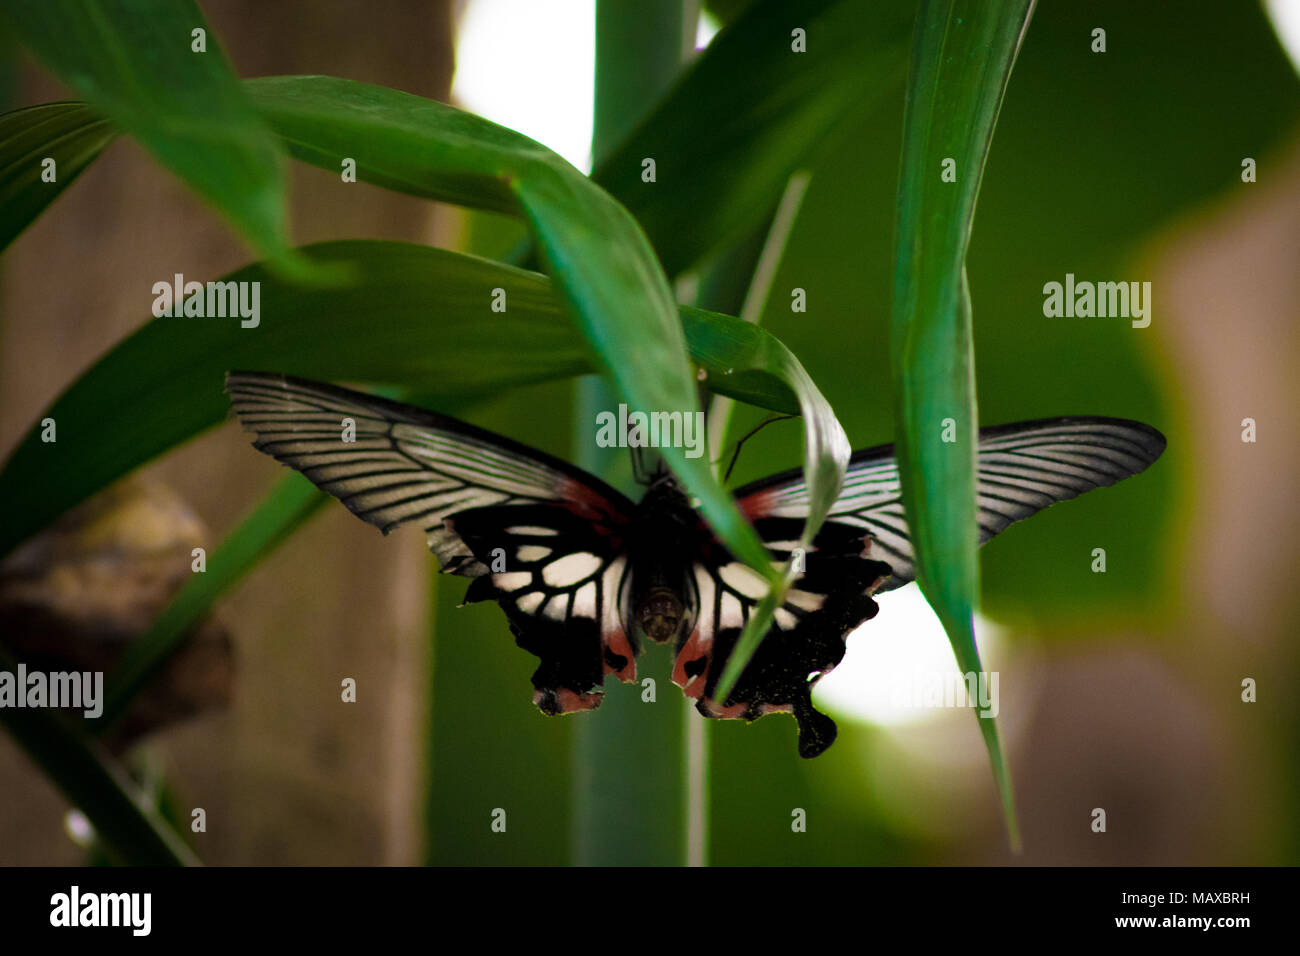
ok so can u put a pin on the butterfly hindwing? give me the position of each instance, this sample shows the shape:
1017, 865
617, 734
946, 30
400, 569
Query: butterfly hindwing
830, 598
481, 499
562, 582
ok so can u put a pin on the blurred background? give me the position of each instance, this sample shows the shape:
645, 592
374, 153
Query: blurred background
1119, 690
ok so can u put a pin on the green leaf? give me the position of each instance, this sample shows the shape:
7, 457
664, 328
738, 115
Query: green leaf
72, 134
291, 502
834, 442
132, 60
637, 347
748, 112
130, 830
410, 316
402, 142
601, 261
427, 149
961, 61
826, 455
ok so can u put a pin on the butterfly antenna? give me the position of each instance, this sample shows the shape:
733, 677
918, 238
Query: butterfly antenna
735, 455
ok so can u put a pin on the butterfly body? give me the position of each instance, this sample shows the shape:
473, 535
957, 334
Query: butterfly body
664, 528
583, 574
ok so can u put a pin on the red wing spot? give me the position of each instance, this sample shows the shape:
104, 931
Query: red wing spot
734, 712
616, 642
591, 507
695, 648
755, 506
561, 700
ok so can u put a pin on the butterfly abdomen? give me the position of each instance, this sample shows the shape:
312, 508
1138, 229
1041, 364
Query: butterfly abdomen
663, 536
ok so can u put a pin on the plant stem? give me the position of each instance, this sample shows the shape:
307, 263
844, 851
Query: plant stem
630, 757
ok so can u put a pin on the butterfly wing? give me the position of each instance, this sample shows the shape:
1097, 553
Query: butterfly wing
827, 600
864, 548
542, 538
1021, 469
563, 582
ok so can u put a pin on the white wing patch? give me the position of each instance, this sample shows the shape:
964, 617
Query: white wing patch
557, 608
584, 601
731, 612
805, 600
614, 587
569, 570
511, 581
744, 579
530, 602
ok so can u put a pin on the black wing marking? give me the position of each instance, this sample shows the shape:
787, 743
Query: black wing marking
563, 584
1021, 469
515, 519
830, 598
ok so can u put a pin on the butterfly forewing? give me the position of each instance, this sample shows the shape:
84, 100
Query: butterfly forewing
537, 535
1020, 469
864, 547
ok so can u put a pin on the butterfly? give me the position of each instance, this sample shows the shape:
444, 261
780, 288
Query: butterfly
584, 574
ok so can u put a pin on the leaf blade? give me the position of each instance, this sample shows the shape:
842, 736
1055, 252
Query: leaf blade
132, 60
758, 131
128, 408
71, 134
962, 57
599, 258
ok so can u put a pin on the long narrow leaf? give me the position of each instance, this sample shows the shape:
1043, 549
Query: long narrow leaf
600, 260
961, 61
757, 132
748, 112
402, 142
412, 316
135, 61
71, 134
826, 455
